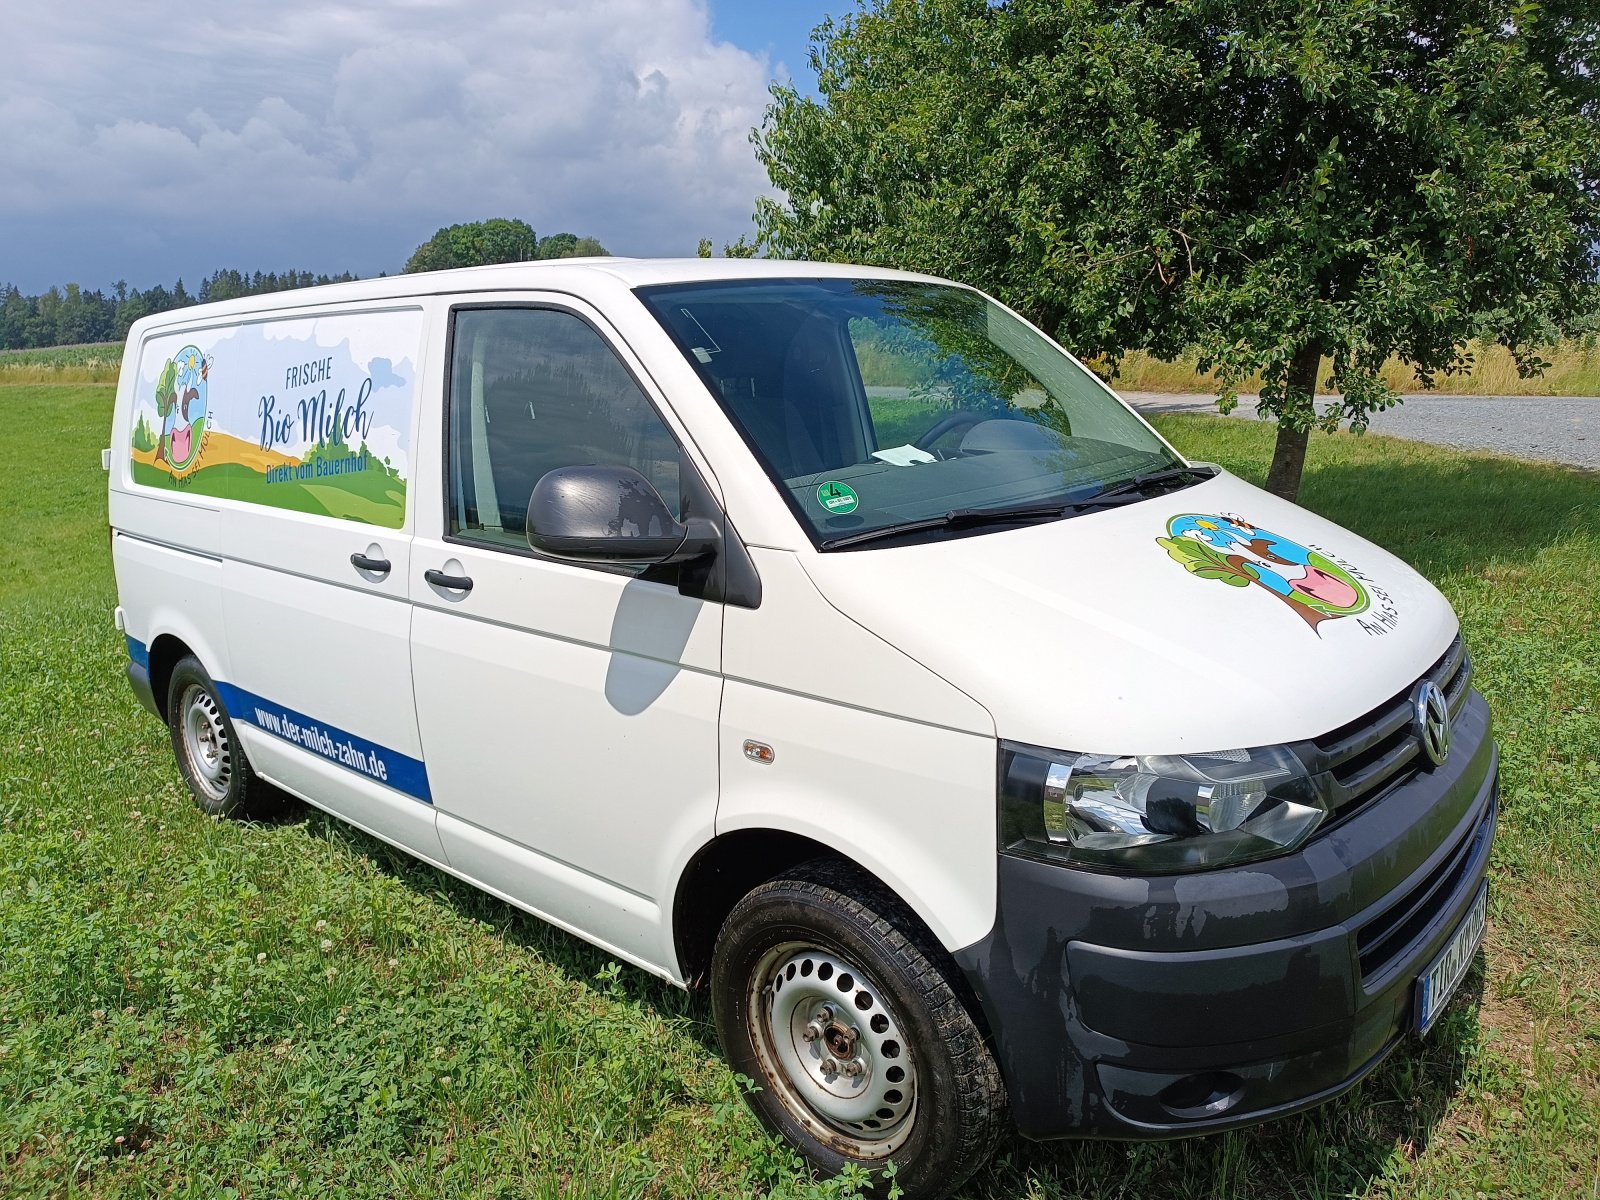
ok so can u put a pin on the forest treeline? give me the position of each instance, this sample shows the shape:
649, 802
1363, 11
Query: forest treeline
67, 316
71, 316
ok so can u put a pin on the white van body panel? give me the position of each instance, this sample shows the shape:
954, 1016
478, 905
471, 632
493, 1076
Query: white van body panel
168, 592
798, 641
182, 523
1085, 635
873, 751
570, 757
899, 797
620, 922
360, 690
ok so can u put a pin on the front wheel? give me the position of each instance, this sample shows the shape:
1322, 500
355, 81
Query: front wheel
830, 996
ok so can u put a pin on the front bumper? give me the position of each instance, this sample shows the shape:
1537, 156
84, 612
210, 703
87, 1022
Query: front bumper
1161, 1006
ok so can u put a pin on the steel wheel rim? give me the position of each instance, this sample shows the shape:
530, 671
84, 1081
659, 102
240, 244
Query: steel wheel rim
205, 741
804, 1020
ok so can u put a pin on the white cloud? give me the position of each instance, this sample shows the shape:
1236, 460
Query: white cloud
292, 127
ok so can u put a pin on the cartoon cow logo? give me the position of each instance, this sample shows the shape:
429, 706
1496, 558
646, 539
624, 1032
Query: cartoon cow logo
181, 405
1230, 549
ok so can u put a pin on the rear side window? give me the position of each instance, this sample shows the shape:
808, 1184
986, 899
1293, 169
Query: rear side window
311, 414
532, 390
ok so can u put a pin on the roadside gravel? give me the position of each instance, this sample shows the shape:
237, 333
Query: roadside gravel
1564, 429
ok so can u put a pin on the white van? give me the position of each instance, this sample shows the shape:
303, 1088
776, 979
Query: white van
829, 636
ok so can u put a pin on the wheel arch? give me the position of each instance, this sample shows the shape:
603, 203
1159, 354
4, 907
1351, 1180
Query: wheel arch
165, 653
718, 876
728, 867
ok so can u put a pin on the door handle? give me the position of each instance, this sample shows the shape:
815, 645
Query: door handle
378, 566
456, 583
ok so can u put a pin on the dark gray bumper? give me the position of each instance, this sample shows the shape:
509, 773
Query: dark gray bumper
1160, 1006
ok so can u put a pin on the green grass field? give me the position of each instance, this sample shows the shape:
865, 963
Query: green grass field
195, 1008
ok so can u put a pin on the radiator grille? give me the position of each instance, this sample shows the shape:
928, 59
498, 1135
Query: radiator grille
1363, 759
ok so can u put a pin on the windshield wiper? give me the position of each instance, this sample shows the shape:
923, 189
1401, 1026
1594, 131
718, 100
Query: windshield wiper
1125, 492
1130, 490
958, 518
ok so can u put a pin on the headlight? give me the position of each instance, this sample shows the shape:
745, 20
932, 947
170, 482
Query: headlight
1161, 812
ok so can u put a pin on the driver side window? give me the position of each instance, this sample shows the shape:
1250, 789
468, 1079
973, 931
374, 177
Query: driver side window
531, 390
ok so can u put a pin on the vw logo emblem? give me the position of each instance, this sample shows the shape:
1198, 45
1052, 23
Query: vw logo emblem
1430, 717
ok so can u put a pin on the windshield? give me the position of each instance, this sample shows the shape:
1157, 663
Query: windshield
876, 403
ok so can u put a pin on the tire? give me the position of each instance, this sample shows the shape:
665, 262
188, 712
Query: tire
919, 1088
209, 756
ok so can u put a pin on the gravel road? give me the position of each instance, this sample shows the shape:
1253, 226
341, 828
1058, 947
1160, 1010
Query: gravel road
1556, 429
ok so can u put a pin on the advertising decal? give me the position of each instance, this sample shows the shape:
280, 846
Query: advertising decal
311, 414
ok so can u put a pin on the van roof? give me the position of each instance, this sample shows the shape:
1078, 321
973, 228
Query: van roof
556, 274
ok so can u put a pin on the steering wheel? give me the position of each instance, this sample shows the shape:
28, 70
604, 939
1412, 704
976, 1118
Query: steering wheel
962, 418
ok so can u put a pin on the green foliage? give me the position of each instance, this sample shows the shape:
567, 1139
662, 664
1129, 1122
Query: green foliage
1201, 560
742, 248
476, 244
498, 240
144, 439
570, 245
1268, 183
166, 389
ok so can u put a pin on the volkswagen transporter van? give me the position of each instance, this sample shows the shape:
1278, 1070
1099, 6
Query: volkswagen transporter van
829, 637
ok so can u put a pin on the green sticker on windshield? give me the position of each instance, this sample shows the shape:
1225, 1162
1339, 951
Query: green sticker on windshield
838, 498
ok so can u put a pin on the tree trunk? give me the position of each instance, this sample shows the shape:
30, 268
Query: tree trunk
1289, 454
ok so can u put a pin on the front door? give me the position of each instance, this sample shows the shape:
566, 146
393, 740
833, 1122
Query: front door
568, 713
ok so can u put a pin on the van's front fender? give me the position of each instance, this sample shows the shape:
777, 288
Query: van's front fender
912, 803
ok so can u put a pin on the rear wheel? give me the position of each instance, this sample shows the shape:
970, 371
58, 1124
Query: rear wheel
208, 752
831, 997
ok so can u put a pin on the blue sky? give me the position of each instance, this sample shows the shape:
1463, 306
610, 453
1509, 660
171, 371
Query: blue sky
151, 141
778, 28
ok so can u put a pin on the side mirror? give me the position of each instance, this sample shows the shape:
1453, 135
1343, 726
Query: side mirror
611, 514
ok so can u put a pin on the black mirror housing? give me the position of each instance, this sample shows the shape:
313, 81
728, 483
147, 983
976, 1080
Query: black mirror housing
604, 513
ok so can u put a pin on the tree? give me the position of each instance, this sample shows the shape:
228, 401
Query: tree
570, 245
1271, 184
68, 315
742, 248
477, 244
14, 313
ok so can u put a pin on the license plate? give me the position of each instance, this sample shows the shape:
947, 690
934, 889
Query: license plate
1438, 983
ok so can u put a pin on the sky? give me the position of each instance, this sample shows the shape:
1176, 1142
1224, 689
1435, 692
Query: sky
147, 142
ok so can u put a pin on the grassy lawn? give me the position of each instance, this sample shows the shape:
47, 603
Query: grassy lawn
197, 1008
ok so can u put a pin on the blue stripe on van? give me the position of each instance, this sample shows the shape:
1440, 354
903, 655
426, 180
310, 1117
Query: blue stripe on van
348, 750
138, 652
